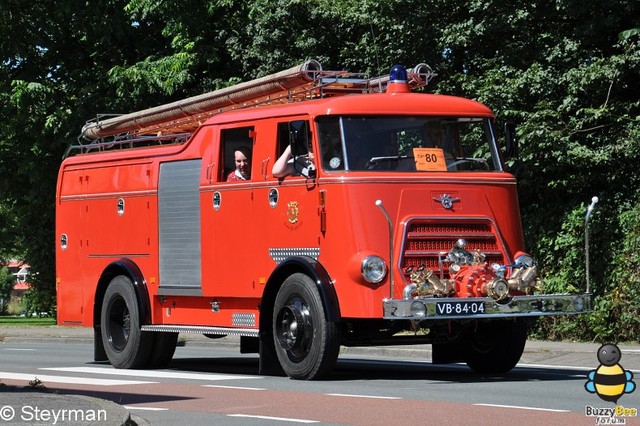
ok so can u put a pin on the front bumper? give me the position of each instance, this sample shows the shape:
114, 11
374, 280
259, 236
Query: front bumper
433, 308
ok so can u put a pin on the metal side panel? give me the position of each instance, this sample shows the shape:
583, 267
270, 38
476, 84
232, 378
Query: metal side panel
179, 228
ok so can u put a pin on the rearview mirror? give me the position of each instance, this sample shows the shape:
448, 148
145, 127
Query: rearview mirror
300, 148
299, 137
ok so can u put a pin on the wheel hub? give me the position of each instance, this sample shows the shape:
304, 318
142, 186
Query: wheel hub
292, 323
119, 326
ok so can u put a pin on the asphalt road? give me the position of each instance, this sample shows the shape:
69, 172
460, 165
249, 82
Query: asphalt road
210, 382
569, 354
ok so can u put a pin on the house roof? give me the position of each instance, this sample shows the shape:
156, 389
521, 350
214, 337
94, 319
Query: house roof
22, 286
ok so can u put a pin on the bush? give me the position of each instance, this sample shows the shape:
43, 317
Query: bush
615, 279
619, 307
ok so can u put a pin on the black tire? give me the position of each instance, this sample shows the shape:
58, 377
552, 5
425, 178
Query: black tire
307, 345
496, 347
162, 350
125, 344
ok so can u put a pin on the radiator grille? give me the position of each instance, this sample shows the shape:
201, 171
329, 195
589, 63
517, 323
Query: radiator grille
426, 241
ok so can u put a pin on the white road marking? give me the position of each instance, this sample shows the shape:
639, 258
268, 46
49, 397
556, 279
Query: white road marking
68, 379
151, 373
566, 367
524, 408
282, 419
362, 396
233, 387
554, 367
17, 349
133, 407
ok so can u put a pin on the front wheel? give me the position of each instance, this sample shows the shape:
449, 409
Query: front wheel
496, 347
307, 345
125, 344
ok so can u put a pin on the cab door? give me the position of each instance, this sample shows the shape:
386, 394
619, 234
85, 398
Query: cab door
288, 206
228, 219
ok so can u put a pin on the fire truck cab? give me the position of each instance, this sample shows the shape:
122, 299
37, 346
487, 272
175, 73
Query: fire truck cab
396, 223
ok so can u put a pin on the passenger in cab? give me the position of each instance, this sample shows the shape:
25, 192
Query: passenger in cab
242, 159
284, 165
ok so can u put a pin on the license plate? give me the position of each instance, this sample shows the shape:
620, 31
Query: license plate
459, 308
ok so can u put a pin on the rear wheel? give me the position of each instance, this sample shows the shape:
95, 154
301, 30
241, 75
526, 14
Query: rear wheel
307, 345
125, 344
496, 347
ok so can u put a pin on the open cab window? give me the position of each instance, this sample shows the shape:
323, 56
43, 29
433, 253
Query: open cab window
408, 144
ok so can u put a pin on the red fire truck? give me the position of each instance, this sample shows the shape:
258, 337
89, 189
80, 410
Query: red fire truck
396, 224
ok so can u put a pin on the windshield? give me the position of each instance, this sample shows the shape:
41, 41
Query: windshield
408, 144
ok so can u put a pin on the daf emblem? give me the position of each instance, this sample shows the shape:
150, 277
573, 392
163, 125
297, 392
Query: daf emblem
447, 201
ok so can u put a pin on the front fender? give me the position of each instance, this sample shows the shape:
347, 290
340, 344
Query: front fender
318, 274
130, 269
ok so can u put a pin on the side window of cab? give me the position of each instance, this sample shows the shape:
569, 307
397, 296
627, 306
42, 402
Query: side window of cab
294, 152
236, 154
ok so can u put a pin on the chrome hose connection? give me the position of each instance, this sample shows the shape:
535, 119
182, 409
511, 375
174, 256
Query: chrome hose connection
525, 279
409, 290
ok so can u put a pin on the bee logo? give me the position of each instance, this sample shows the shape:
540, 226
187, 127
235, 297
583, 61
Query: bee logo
609, 381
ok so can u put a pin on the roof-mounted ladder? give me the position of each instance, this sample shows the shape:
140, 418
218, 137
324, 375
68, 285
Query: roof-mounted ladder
175, 122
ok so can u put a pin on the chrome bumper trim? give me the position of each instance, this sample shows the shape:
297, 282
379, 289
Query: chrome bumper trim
518, 306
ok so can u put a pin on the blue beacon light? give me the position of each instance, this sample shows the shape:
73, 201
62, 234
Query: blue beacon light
398, 74
398, 80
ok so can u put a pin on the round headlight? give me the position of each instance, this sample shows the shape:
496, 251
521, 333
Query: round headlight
418, 309
373, 269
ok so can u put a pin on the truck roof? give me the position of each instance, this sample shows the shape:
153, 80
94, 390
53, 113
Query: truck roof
304, 90
364, 104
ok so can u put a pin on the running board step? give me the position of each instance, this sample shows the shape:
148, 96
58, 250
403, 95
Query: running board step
220, 331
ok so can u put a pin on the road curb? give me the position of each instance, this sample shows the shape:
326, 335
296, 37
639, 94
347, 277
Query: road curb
26, 407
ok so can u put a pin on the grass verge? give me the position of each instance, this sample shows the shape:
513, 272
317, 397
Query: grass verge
24, 321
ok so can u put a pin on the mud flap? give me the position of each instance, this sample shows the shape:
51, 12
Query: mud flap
268, 364
99, 353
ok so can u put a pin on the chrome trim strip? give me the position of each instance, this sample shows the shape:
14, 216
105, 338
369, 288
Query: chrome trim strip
280, 254
108, 195
243, 319
116, 255
519, 306
347, 178
460, 178
219, 331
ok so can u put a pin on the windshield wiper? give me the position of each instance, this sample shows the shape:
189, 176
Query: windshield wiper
373, 161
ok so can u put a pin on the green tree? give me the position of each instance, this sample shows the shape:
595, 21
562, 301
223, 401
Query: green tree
7, 280
565, 71
55, 57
